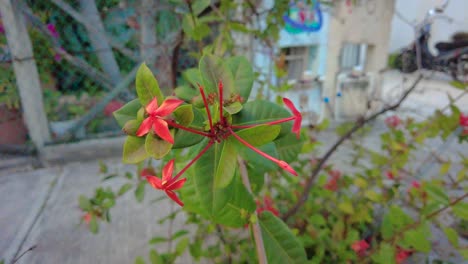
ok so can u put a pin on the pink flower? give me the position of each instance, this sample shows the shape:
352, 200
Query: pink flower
415, 185
463, 120
111, 107
167, 183
402, 255
332, 184
390, 175
52, 30
297, 117
393, 121
360, 247
156, 120
87, 218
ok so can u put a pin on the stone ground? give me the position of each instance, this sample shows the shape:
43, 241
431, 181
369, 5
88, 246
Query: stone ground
39, 206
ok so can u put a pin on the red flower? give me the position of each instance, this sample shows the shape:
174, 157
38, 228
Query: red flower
111, 107
267, 206
415, 185
167, 183
87, 218
463, 120
332, 184
360, 247
155, 118
402, 255
393, 121
297, 117
52, 30
390, 175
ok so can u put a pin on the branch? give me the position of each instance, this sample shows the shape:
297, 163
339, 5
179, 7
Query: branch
82, 20
359, 124
255, 226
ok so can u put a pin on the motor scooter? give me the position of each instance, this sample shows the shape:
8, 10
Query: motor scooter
452, 57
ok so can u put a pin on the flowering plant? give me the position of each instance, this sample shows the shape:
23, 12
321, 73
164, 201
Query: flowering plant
231, 162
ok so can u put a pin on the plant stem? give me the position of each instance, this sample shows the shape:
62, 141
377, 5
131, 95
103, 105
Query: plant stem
255, 226
205, 102
188, 129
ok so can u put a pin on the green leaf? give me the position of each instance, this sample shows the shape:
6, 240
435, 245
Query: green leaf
233, 108
155, 258
124, 188
183, 139
385, 255
195, 29
127, 112
257, 166
444, 168
140, 191
185, 92
147, 86
437, 194
84, 203
346, 207
93, 225
102, 167
223, 206
289, 147
199, 5
179, 234
182, 246
260, 135
157, 147
452, 236
156, 240
464, 253
458, 85
418, 238
281, 246
213, 70
139, 260
243, 75
134, 150
461, 210
398, 218
259, 112
184, 115
193, 76
226, 162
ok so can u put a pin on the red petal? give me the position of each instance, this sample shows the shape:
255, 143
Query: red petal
167, 172
161, 129
285, 166
174, 197
176, 185
147, 172
155, 182
152, 107
168, 106
144, 127
297, 126
291, 107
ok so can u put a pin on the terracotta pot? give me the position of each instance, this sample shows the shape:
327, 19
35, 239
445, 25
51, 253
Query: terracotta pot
12, 128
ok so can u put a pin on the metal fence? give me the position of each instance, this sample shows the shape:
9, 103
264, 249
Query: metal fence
86, 52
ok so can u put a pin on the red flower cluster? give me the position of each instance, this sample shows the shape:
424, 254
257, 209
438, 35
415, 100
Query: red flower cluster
167, 183
360, 247
267, 205
464, 124
158, 121
87, 218
402, 255
332, 184
393, 121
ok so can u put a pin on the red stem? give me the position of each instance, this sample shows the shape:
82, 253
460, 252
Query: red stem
195, 159
220, 87
267, 123
173, 124
206, 106
263, 154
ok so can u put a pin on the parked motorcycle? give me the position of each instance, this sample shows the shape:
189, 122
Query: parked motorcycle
452, 57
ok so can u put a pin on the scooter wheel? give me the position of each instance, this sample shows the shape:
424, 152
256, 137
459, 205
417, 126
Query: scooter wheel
459, 70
